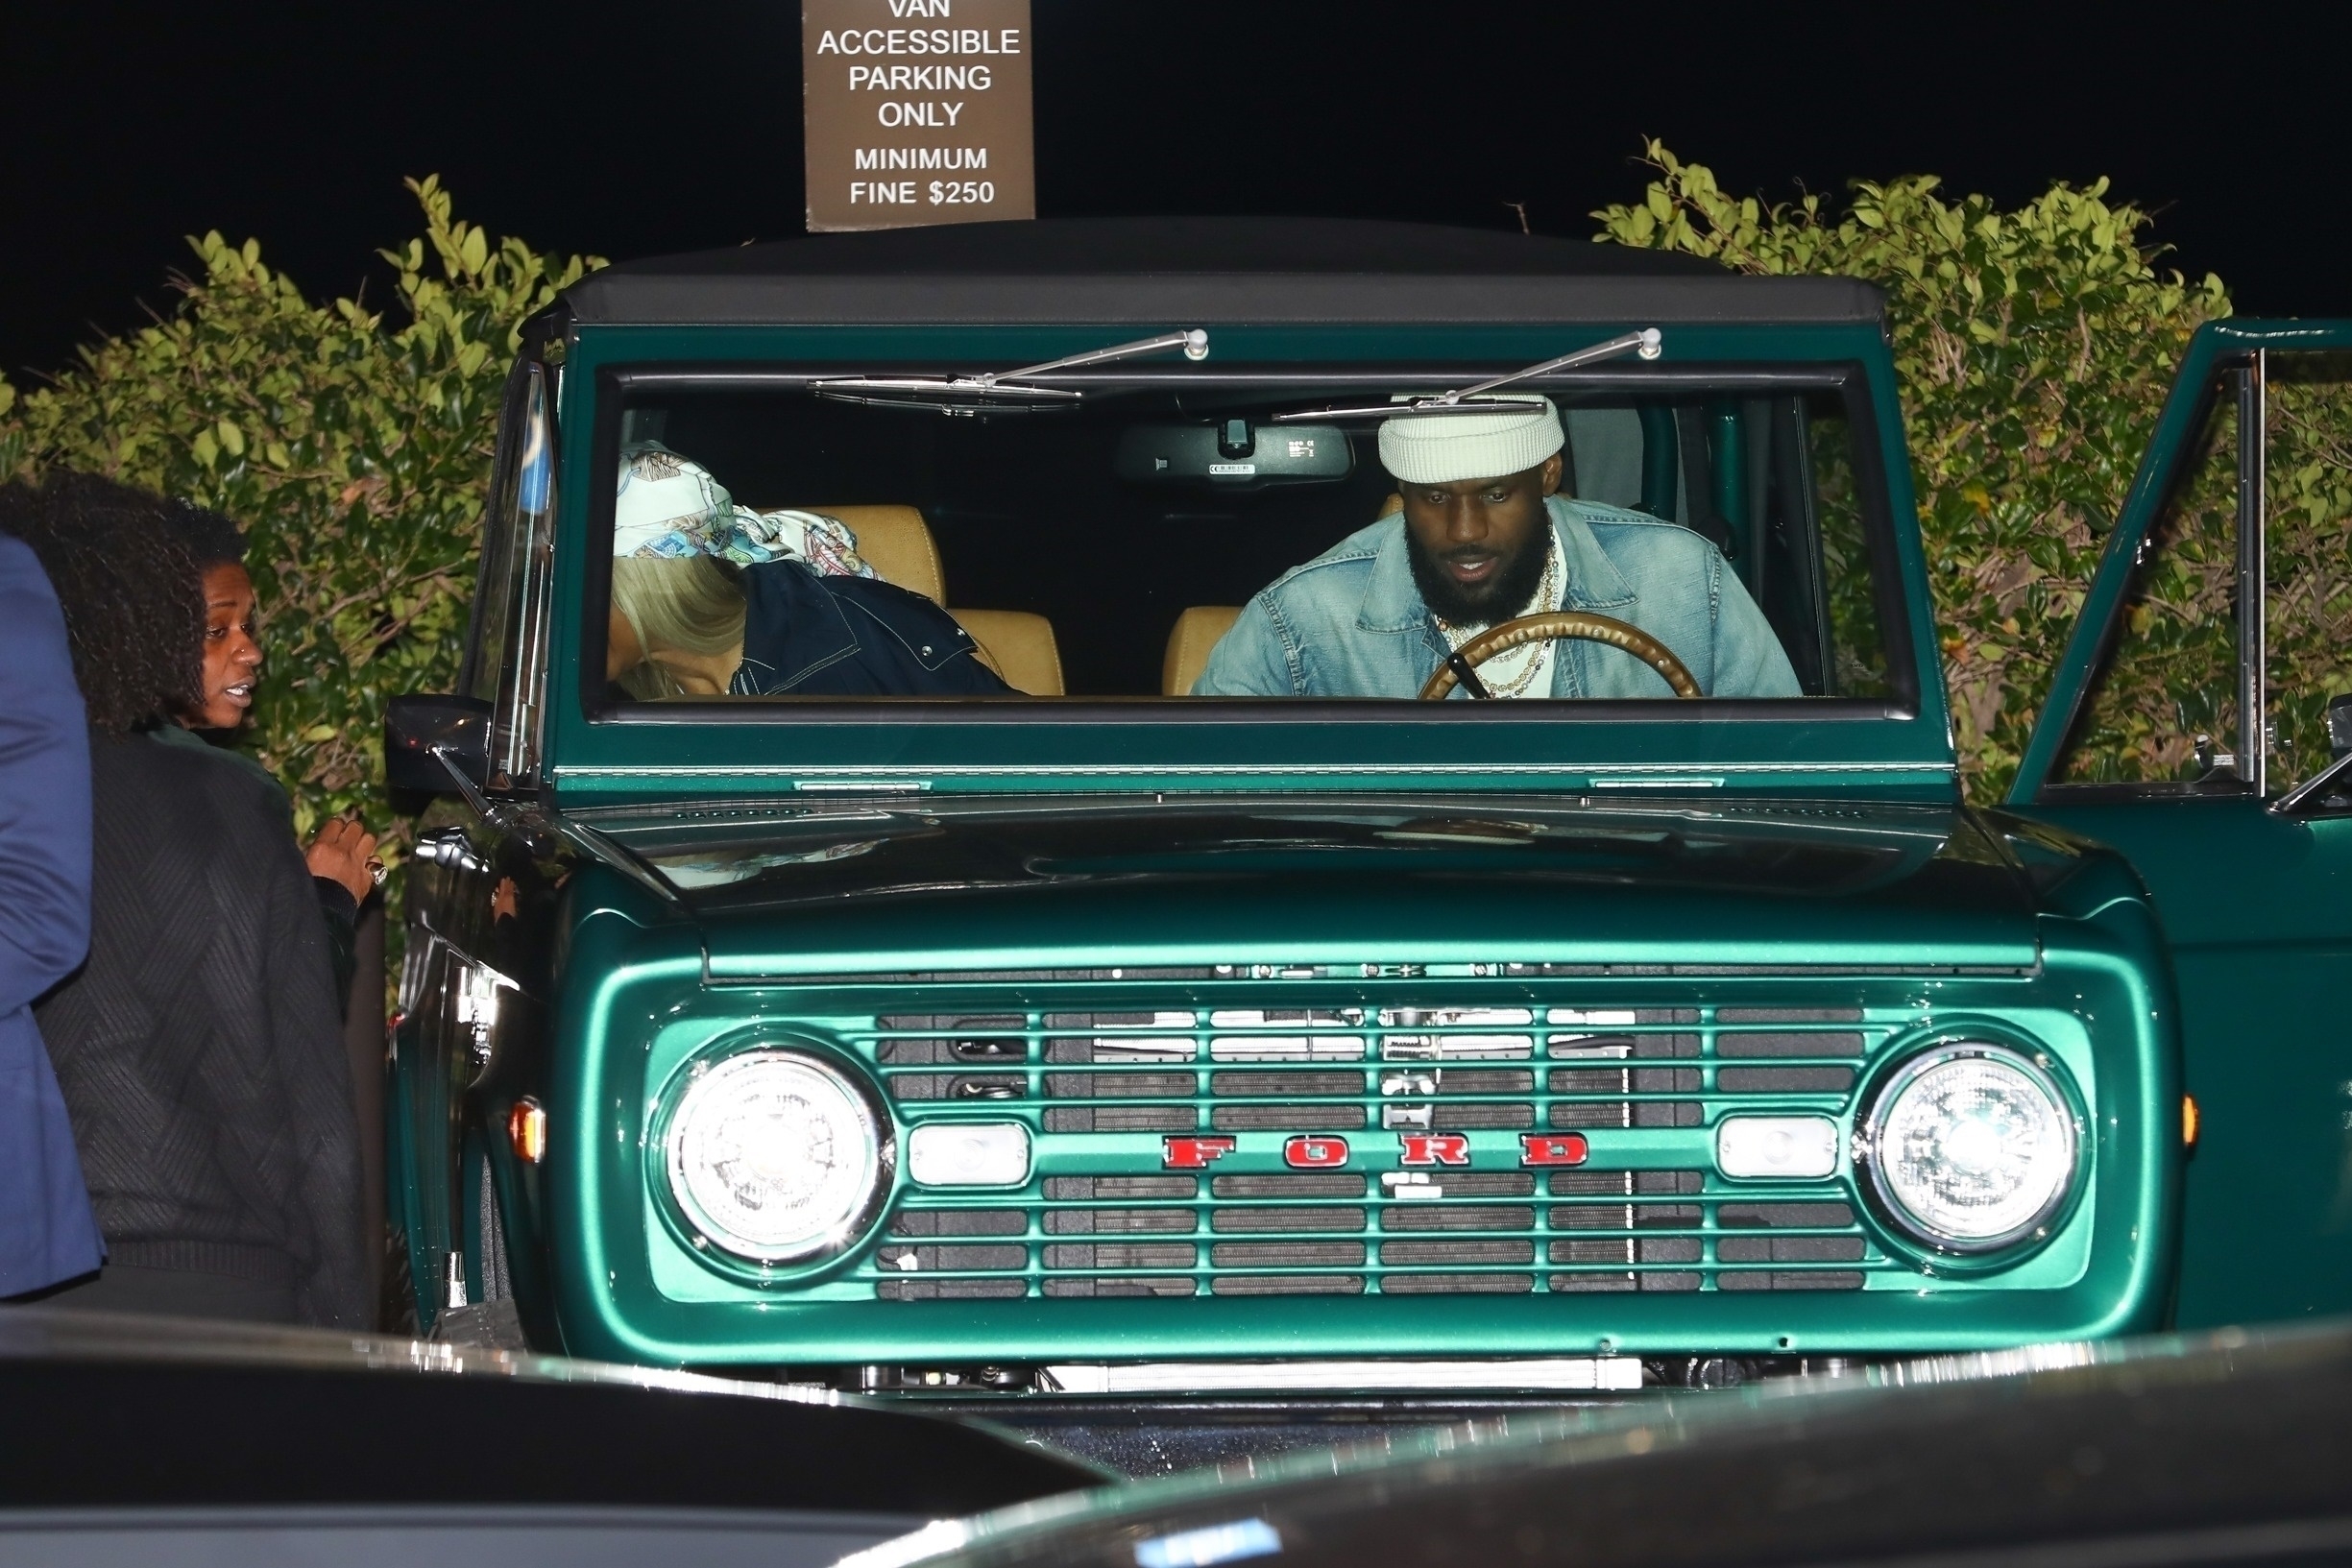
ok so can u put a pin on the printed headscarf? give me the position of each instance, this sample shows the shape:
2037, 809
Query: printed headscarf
670, 505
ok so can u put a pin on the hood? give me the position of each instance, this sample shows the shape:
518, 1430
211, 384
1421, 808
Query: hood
1279, 880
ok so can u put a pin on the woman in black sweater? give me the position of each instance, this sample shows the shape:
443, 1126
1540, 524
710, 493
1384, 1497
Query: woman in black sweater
344, 870
199, 1049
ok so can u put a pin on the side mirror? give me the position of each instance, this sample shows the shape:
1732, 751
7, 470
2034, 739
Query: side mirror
420, 730
2339, 726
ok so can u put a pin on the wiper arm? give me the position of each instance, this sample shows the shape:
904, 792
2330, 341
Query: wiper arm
1474, 399
999, 391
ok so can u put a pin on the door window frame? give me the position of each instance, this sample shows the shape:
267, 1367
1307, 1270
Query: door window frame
2235, 355
516, 581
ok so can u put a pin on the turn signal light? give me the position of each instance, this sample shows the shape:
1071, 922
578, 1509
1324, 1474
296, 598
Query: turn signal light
2187, 1122
526, 1129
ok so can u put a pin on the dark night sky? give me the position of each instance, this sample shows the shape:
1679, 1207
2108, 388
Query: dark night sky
126, 125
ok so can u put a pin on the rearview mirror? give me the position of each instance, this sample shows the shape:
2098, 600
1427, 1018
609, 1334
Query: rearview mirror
1233, 453
419, 731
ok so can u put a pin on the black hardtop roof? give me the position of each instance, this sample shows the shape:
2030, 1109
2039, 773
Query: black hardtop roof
1163, 269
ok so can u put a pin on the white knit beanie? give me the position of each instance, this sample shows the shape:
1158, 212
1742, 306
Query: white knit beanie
1446, 448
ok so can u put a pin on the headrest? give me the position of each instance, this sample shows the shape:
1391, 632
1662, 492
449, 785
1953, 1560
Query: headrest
898, 546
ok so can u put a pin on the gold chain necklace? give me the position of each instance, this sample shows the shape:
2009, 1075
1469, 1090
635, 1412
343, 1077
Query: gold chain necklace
1547, 595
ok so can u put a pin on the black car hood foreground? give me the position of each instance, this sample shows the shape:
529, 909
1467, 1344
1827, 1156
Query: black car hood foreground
724, 855
2232, 1447
100, 1412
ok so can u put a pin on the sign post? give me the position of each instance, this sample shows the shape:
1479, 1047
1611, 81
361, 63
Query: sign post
917, 112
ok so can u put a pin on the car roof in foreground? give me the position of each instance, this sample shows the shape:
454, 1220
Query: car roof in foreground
2230, 1447
161, 1413
1159, 269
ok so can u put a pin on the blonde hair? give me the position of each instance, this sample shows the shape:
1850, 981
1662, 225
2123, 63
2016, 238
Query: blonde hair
688, 604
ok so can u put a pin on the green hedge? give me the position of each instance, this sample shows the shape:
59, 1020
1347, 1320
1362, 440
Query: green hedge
2035, 347
354, 450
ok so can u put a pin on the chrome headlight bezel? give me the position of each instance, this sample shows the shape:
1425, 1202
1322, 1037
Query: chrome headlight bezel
1870, 1157
850, 1098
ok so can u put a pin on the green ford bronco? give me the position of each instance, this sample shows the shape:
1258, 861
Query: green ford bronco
1288, 812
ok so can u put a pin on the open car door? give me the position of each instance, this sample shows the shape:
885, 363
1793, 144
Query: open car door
2190, 727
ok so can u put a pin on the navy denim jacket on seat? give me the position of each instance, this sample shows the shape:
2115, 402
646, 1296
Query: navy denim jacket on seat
1351, 623
809, 636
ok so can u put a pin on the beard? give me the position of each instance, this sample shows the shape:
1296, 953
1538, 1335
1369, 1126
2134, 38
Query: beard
1498, 598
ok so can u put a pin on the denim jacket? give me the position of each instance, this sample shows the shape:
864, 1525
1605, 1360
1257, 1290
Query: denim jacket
809, 635
1350, 622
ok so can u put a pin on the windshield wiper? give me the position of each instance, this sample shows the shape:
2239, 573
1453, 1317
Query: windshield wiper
1474, 399
997, 392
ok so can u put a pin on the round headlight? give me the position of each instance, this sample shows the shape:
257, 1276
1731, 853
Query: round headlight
1971, 1147
773, 1155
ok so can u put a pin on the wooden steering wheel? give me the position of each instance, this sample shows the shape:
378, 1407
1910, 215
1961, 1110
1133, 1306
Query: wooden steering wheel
1555, 626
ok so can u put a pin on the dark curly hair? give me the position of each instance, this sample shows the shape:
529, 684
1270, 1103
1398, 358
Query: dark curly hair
133, 595
209, 539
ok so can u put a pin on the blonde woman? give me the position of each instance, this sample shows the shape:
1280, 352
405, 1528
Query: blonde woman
711, 599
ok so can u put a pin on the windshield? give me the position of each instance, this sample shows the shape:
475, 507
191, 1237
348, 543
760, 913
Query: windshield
1180, 535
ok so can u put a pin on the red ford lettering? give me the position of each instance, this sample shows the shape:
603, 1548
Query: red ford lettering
1434, 1148
1311, 1151
1192, 1153
1553, 1148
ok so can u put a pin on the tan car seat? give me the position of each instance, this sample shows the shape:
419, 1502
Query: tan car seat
897, 544
1196, 631
1018, 647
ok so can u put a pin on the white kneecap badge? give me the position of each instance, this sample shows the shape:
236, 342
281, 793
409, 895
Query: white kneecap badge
968, 1154
1793, 1147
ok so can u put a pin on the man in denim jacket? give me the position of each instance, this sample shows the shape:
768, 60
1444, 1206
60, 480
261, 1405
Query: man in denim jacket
1485, 536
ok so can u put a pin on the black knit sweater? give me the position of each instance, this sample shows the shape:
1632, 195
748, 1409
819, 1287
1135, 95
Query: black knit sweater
199, 1049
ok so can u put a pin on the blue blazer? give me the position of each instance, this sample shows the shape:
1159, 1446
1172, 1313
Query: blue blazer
47, 1232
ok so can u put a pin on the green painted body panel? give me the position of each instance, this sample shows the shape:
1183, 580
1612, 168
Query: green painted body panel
2259, 914
1299, 922
416, 1207
624, 762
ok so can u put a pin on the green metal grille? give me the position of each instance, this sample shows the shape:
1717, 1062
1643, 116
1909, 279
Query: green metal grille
1105, 1215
